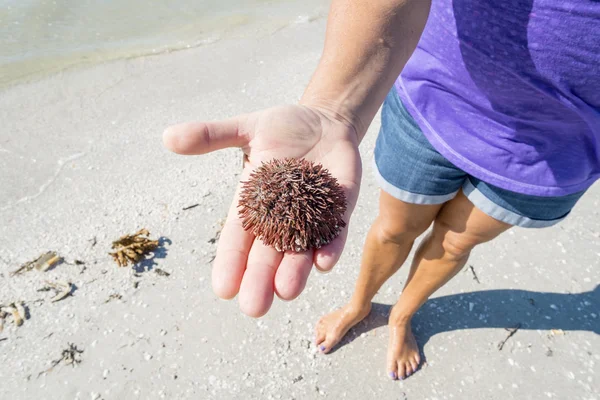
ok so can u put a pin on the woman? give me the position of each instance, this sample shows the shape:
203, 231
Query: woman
493, 122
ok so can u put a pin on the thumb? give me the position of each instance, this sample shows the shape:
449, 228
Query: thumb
204, 137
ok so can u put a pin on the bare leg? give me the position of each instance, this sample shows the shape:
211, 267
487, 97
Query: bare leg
388, 243
457, 229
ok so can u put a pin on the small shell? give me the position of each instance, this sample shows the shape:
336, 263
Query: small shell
46, 261
16, 317
66, 287
21, 309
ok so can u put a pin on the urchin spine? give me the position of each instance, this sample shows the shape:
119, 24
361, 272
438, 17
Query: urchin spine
292, 204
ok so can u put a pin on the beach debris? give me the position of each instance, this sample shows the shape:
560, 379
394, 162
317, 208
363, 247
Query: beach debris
190, 207
136, 284
42, 263
475, 277
61, 289
114, 296
549, 352
20, 306
69, 356
511, 332
161, 272
297, 379
93, 241
292, 204
17, 310
556, 332
132, 248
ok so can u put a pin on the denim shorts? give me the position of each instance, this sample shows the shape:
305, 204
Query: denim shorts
408, 168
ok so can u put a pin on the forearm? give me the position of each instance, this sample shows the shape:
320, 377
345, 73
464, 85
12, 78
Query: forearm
367, 44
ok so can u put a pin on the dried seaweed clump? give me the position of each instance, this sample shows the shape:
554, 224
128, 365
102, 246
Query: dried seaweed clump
292, 204
132, 248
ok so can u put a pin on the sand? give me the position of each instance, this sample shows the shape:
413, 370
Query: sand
82, 163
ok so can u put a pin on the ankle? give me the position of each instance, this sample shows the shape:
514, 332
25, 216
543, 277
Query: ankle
359, 306
399, 317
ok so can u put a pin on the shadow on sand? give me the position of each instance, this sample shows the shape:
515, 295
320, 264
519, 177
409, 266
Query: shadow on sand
503, 308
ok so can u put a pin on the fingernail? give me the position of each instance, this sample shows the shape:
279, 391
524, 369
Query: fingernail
393, 375
323, 271
322, 348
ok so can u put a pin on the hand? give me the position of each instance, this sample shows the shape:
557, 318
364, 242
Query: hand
243, 264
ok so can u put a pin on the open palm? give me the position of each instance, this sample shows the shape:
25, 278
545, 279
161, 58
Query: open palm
243, 264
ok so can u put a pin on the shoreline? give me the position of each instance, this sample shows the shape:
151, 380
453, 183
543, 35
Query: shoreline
90, 60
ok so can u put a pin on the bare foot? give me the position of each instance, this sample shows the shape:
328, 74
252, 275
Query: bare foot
403, 353
332, 327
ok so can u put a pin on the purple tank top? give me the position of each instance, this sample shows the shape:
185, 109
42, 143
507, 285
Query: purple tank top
509, 91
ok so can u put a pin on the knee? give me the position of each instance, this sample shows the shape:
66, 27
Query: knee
455, 245
398, 232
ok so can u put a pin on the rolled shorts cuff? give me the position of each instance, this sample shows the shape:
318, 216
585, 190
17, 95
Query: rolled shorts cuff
500, 213
406, 196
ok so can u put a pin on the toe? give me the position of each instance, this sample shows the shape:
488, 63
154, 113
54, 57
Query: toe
393, 371
327, 345
401, 371
414, 366
418, 359
392, 365
408, 369
320, 326
319, 337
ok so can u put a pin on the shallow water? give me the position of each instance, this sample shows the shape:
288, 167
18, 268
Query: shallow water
39, 37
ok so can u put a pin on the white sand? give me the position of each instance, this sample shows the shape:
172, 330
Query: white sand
81, 157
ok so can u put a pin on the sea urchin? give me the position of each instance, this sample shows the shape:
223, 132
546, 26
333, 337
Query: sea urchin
292, 204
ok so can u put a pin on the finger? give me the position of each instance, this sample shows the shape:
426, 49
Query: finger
256, 290
292, 274
327, 256
204, 137
232, 253
349, 178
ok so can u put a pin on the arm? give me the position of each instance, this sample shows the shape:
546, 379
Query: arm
368, 42
366, 46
